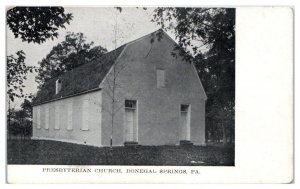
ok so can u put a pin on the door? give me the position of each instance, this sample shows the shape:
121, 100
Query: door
184, 122
183, 125
131, 121
129, 113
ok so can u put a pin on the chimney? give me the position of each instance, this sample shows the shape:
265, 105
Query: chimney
57, 86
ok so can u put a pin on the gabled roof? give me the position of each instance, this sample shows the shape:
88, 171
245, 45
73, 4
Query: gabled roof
84, 78
88, 77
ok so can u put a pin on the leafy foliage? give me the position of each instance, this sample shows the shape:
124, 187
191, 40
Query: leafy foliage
67, 55
37, 24
20, 121
16, 75
208, 35
27, 108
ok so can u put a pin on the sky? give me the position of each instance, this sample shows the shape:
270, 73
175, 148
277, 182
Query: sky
97, 24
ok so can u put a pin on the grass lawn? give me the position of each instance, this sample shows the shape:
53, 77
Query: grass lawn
61, 153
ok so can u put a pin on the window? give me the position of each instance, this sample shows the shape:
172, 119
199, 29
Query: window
131, 125
160, 77
184, 108
130, 104
57, 86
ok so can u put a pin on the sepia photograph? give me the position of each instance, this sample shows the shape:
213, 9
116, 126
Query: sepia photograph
121, 86
144, 94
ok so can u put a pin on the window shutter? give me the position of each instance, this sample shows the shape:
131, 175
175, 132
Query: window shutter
85, 115
46, 116
160, 75
38, 117
57, 117
70, 115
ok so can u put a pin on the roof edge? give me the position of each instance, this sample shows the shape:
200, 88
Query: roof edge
141, 38
110, 69
126, 45
69, 96
193, 65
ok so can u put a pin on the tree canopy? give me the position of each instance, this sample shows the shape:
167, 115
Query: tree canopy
37, 24
67, 55
20, 121
17, 72
31, 24
208, 35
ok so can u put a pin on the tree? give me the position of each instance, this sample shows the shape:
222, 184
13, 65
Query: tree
31, 24
67, 55
20, 121
208, 37
113, 87
17, 72
111, 81
37, 24
27, 108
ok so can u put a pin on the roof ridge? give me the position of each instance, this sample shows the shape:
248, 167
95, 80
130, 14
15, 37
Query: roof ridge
144, 36
94, 71
114, 50
87, 62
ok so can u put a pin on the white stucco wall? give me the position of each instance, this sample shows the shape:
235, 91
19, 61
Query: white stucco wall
86, 119
76, 119
158, 108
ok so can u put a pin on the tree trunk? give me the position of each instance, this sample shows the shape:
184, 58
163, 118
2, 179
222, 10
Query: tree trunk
213, 132
8, 125
224, 134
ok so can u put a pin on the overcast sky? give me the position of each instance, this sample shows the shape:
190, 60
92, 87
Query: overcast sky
96, 23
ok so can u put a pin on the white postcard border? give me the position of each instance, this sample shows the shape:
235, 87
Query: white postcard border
264, 114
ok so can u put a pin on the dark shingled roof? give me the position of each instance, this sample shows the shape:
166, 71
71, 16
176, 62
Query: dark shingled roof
84, 78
